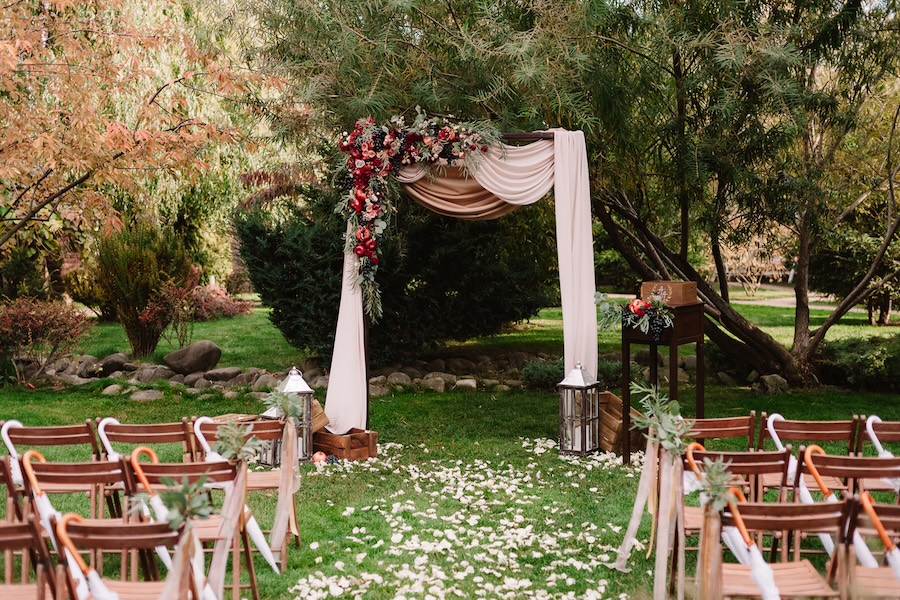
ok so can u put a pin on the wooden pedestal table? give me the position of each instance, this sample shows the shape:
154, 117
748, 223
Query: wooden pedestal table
688, 328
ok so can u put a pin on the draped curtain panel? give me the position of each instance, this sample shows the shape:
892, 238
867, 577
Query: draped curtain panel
507, 177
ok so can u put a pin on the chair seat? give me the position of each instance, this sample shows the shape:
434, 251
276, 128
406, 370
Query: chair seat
22, 591
207, 530
693, 519
773, 480
875, 583
136, 590
877, 485
794, 580
263, 480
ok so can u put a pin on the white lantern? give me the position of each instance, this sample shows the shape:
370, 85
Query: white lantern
579, 412
294, 384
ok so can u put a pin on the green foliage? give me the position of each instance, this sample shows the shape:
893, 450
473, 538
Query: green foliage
186, 500
441, 279
662, 417
22, 274
34, 333
235, 443
717, 483
134, 267
863, 363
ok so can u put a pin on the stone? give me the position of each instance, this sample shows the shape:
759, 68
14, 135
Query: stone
190, 379
266, 381
501, 388
612, 356
72, 367
320, 383
434, 383
689, 362
111, 364
377, 391
514, 383
419, 365
178, 378
771, 385
311, 364
436, 365
205, 396
379, 380
642, 357
202, 355
726, 378
191, 391
481, 359
412, 372
489, 383
753, 376
163, 373
176, 384
223, 374
202, 383
144, 375
242, 380
460, 366
399, 378
117, 375
447, 377
258, 395
72, 379
466, 385
130, 366
112, 390
517, 360
147, 395
87, 367
231, 394
311, 374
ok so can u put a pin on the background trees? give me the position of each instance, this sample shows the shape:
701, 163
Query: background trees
706, 122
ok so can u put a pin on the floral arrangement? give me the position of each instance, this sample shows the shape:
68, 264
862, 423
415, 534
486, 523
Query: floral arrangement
651, 317
376, 151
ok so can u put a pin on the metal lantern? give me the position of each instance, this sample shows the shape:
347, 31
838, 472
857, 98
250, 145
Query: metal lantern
293, 384
579, 412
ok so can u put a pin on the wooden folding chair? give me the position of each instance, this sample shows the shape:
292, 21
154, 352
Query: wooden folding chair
884, 520
876, 433
838, 434
25, 539
205, 429
146, 477
725, 428
855, 471
78, 536
165, 438
794, 577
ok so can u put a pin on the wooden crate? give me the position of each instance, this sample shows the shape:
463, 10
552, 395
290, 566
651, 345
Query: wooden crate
356, 444
677, 293
611, 424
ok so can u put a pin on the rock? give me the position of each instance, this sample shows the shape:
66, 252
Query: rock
176, 384
379, 380
514, 383
112, 390
190, 379
112, 363
753, 376
612, 356
726, 378
258, 395
689, 362
489, 383
87, 367
771, 385
412, 372
434, 383
311, 374
517, 359
147, 395
130, 366
642, 357
419, 365
311, 364
72, 367
72, 379
436, 365
466, 385
202, 355
178, 378
460, 366
202, 383
501, 388
265, 381
223, 374
242, 380
230, 394
205, 396
320, 383
163, 373
399, 378
191, 391
144, 375
376, 391
447, 377
481, 359
117, 375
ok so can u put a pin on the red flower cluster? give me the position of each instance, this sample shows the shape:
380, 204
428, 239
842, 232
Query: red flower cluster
638, 307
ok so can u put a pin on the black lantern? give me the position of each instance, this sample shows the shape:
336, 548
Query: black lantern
579, 412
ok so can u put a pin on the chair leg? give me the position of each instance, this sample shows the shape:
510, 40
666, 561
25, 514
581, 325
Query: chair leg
248, 559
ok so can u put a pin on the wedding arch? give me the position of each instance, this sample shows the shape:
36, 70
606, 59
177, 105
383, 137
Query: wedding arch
479, 178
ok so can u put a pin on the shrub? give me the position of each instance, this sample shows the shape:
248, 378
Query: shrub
135, 266
210, 302
441, 279
34, 333
864, 363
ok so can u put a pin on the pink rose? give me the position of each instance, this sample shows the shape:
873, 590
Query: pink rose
638, 307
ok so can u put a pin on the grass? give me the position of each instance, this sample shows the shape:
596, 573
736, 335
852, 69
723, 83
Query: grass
469, 497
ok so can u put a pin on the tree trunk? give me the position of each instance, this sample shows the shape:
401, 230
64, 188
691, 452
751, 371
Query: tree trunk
801, 289
681, 108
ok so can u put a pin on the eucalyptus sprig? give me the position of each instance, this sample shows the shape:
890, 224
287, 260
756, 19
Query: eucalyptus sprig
235, 443
185, 501
716, 483
662, 417
287, 404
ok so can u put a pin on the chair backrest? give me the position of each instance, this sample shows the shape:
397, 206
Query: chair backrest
796, 432
751, 465
217, 472
25, 537
23, 438
725, 428
264, 430
146, 434
885, 431
853, 469
93, 476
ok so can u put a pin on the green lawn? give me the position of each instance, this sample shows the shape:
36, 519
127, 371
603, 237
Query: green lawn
469, 496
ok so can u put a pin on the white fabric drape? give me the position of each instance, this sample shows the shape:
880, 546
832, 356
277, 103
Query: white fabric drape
506, 177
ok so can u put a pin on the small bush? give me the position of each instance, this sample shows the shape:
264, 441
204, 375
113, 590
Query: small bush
213, 302
36, 333
864, 363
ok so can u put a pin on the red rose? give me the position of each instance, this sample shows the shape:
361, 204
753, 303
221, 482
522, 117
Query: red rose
484, 148
360, 194
370, 244
359, 249
373, 259
638, 307
362, 234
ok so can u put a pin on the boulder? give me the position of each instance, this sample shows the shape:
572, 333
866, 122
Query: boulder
399, 378
87, 367
689, 362
202, 383
176, 379
514, 383
265, 381
320, 383
202, 355
460, 366
466, 385
501, 388
112, 363
377, 380
190, 379
612, 356
243, 379
147, 395
434, 383
771, 385
642, 357
726, 378
378, 390
447, 377
412, 372
258, 395
223, 374
481, 359
517, 360
489, 383
112, 390
231, 394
